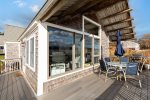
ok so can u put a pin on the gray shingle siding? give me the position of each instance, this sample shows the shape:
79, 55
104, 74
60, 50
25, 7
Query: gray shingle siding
11, 34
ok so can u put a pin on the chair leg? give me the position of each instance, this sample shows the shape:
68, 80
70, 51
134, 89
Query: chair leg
100, 72
140, 84
124, 75
117, 77
106, 75
126, 83
125, 79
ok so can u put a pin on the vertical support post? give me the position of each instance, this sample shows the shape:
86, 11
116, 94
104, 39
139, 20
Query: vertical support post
5, 63
43, 57
100, 42
19, 45
82, 48
73, 53
93, 49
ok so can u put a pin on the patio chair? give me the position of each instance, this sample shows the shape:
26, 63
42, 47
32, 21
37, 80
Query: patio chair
124, 59
104, 67
142, 62
132, 72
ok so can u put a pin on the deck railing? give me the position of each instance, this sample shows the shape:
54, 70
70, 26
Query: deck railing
8, 65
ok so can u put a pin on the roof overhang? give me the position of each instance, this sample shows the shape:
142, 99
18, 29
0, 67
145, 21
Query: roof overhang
113, 15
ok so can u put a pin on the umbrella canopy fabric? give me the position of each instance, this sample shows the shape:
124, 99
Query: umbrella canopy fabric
119, 49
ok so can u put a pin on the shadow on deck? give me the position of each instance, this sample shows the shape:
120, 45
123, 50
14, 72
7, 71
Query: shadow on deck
13, 86
119, 91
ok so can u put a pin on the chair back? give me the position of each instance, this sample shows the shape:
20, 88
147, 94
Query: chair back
143, 60
132, 68
103, 63
124, 59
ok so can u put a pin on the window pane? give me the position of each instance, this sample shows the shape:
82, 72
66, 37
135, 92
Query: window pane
96, 46
32, 52
27, 52
88, 50
96, 60
78, 39
1, 49
60, 51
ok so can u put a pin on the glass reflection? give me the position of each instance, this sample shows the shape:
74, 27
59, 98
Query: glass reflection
78, 39
60, 51
96, 46
88, 50
96, 60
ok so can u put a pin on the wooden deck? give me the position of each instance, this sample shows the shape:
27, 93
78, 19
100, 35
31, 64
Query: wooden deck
14, 87
94, 88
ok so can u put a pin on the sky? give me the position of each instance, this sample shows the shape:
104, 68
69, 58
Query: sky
18, 12
141, 15
21, 12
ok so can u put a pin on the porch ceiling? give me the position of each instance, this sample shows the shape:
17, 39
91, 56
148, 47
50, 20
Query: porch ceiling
113, 15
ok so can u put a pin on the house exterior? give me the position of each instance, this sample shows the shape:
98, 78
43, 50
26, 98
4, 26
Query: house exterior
131, 45
11, 34
67, 37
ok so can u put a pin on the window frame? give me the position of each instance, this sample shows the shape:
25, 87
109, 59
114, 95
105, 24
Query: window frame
28, 39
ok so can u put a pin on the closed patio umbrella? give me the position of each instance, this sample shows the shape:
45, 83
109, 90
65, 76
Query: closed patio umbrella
119, 49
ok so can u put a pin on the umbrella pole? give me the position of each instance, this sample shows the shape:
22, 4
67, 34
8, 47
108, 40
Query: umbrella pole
119, 59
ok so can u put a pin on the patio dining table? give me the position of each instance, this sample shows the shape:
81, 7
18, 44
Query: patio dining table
120, 68
119, 65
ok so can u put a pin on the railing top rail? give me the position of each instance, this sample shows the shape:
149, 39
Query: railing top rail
10, 59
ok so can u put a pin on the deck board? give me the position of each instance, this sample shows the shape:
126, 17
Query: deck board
10, 88
26, 90
2, 78
20, 89
14, 87
94, 88
29, 90
4, 89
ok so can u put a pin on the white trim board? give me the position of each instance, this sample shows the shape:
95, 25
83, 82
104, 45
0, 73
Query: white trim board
67, 74
63, 28
91, 21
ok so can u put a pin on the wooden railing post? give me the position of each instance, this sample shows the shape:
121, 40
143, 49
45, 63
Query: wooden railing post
0, 67
7, 65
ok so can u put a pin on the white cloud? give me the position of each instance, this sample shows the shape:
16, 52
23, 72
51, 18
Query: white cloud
35, 8
20, 3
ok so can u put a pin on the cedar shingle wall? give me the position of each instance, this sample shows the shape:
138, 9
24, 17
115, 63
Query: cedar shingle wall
12, 50
105, 45
11, 34
30, 74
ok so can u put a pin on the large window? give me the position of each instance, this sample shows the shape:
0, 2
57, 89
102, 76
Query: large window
78, 39
27, 52
92, 41
96, 50
64, 51
88, 50
1, 49
30, 52
60, 51
66, 48
96, 46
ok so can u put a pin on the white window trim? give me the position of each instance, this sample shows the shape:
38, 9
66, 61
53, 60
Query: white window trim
28, 65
